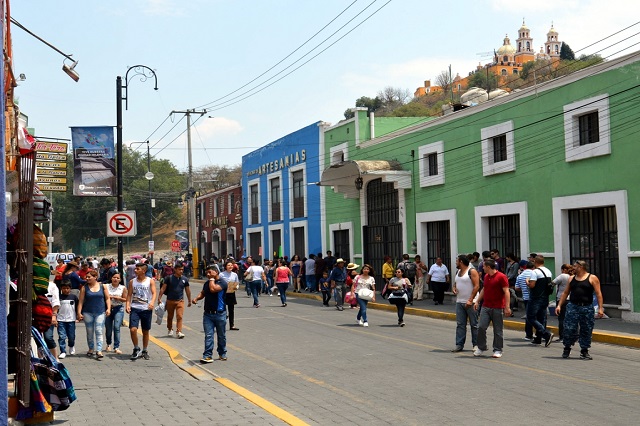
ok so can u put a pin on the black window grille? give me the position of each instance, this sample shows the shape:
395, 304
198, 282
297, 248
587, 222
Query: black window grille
589, 128
439, 243
504, 234
500, 148
255, 217
298, 193
431, 163
275, 199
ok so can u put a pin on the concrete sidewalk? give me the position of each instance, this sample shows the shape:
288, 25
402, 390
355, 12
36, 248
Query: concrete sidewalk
610, 330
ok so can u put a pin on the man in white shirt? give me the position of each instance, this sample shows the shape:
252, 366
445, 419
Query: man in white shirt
539, 301
439, 277
465, 286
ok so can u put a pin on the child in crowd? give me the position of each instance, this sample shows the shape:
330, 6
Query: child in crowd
67, 316
325, 288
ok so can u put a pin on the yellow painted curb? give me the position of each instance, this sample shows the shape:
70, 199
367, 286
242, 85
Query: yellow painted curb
269, 407
597, 336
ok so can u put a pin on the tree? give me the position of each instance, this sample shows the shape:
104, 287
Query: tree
372, 105
444, 80
412, 109
483, 79
215, 177
392, 98
566, 53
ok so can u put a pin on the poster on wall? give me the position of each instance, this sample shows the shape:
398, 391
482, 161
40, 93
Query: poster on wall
94, 167
182, 235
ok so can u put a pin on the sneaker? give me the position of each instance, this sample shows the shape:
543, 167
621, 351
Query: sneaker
270, 294
566, 352
62, 355
108, 348
72, 350
536, 341
478, 352
497, 354
475, 348
180, 335
136, 353
527, 338
340, 308
457, 349
366, 324
118, 351
584, 354
360, 322
402, 324
548, 340
206, 360
256, 306
170, 333
222, 357
145, 355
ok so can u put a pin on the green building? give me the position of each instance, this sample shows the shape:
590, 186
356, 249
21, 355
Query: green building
548, 169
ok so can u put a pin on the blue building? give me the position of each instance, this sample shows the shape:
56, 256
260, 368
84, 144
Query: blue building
282, 208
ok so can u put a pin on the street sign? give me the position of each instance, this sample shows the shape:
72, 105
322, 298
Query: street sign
60, 147
52, 164
151, 245
175, 245
55, 188
121, 224
51, 172
47, 179
50, 157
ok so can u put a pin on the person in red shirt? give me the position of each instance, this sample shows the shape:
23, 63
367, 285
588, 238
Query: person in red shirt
495, 295
83, 270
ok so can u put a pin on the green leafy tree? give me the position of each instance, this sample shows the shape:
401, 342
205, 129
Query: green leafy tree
412, 109
483, 79
566, 53
372, 105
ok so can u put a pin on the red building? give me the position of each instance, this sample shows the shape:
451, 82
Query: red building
219, 218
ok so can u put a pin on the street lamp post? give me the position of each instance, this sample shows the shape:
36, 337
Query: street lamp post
149, 176
145, 73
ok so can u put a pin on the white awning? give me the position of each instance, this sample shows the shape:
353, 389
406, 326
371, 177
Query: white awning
348, 177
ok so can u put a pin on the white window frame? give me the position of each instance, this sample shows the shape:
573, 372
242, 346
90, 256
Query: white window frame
487, 134
421, 225
250, 184
483, 213
278, 227
343, 226
292, 247
573, 151
302, 167
424, 151
618, 199
337, 150
270, 177
250, 231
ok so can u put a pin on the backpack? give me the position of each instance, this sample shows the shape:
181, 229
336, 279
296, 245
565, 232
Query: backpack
408, 269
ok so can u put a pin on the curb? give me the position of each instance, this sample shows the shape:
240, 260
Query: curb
597, 336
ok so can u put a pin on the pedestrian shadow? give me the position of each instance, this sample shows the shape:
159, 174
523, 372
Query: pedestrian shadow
389, 326
349, 325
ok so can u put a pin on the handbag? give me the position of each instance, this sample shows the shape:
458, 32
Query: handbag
365, 294
53, 376
349, 298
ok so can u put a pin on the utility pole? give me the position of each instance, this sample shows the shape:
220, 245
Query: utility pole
194, 238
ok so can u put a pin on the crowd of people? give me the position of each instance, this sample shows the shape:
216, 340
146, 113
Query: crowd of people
485, 291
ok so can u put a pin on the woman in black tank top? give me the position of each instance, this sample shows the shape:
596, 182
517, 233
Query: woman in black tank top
579, 313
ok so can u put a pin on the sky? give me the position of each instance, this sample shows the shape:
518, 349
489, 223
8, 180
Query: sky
237, 59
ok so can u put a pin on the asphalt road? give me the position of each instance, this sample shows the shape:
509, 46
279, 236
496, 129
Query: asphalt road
322, 367
319, 367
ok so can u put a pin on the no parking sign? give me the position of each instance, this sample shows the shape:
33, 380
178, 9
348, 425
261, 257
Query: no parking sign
121, 224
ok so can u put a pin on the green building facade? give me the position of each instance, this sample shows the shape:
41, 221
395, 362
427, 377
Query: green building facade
548, 169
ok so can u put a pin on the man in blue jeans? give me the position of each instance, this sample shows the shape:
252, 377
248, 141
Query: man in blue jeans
214, 317
539, 301
465, 286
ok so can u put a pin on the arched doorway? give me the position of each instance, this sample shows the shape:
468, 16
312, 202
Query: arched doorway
382, 235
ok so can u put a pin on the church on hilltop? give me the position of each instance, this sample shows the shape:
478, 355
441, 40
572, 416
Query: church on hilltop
508, 60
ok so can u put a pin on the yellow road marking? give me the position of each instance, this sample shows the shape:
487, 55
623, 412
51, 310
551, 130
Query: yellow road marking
202, 374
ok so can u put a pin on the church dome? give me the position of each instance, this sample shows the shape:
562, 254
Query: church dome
506, 48
552, 31
523, 27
